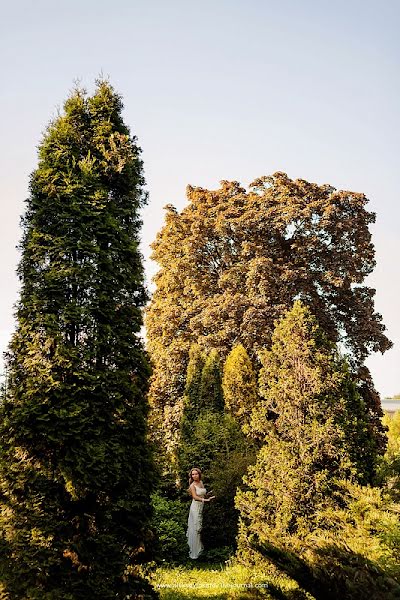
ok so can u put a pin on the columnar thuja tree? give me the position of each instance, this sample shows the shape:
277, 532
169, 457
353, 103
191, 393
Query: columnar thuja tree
201, 428
239, 385
211, 395
190, 414
211, 439
75, 468
234, 260
303, 448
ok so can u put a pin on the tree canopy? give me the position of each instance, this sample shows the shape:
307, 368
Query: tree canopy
234, 260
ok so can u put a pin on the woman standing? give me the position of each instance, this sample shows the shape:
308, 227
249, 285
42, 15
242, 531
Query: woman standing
198, 493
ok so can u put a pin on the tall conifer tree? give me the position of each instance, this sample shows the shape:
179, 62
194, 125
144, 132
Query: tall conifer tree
302, 487
239, 385
304, 449
202, 411
212, 440
211, 396
190, 411
74, 464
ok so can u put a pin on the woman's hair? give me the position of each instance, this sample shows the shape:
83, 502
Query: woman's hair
190, 475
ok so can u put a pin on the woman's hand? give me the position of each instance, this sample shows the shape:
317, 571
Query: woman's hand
208, 499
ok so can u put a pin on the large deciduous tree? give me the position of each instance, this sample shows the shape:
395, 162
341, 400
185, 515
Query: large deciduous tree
75, 469
234, 260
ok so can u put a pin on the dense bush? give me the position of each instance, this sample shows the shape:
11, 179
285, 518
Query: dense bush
354, 553
169, 525
220, 520
389, 466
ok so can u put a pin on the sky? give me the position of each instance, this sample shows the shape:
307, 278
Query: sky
216, 90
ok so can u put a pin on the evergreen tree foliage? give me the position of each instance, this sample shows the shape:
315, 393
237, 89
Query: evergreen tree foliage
203, 399
193, 379
191, 407
303, 449
75, 469
239, 384
354, 555
234, 260
211, 396
213, 441
200, 416
363, 447
304, 380
233, 453
296, 488
389, 467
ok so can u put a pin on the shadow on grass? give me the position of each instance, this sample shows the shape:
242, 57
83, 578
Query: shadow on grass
336, 573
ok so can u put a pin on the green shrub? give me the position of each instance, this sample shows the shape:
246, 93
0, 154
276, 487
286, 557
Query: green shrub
389, 466
220, 519
169, 525
354, 553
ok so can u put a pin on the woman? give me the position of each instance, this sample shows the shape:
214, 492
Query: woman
198, 493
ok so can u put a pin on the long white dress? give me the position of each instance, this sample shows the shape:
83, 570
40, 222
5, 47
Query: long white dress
194, 524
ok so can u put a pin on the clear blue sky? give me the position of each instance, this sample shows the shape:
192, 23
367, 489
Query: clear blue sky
217, 90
